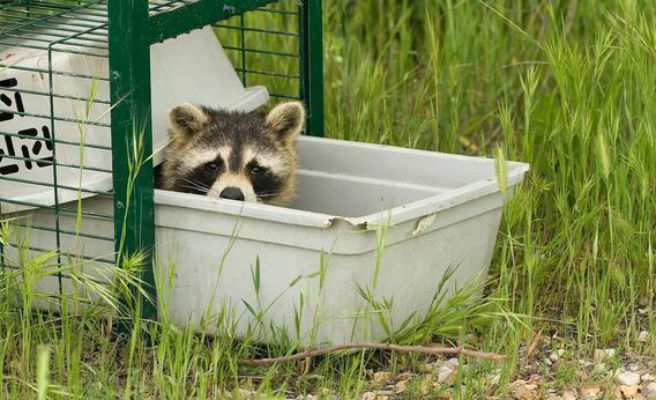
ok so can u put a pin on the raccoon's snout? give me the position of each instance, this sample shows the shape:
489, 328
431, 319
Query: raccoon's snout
232, 193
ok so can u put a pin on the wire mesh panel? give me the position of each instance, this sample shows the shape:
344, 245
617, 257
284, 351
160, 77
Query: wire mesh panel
264, 47
55, 139
74, 91
279, 46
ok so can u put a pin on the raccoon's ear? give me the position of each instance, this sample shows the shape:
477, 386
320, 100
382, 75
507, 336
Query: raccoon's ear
187, 119
286, 121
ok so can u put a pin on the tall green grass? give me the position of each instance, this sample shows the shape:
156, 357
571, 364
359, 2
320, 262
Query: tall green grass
567, 86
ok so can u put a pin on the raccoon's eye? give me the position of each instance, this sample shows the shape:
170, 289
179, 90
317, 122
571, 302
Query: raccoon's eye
256, 170
212, 166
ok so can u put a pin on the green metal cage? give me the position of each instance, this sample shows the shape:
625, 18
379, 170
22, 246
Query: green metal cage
275, 43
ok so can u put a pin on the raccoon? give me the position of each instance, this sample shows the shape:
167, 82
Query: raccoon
233, 155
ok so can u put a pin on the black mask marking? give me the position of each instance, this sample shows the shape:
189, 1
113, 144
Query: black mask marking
201, 179
265, 184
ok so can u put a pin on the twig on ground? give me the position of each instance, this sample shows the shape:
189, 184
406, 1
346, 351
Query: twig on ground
533, 345
264, 362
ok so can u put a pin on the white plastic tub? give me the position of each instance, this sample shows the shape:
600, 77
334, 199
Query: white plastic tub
190, 68
386, 219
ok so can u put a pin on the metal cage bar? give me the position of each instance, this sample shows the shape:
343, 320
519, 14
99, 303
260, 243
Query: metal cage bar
196, 14
129, 61
312, 65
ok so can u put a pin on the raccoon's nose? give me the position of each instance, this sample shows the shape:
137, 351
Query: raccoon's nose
232, 193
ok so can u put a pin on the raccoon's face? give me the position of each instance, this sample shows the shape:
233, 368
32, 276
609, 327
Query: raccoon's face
233, 155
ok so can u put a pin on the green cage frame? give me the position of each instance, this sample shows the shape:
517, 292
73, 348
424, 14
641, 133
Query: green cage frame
128, 29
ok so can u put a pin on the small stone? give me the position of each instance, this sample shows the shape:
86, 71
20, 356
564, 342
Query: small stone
601, 367
401, 386
590, 392
535, 379
617, 393
548, 361
368, 396
382, 377
647, 377
649, 390
568, 396
376, 395
404, 376
629, 392
452, 362
634, 367
492, 379
446, 375
520, 390
554, 357
644, 337
384, 395
627, 378
603, 354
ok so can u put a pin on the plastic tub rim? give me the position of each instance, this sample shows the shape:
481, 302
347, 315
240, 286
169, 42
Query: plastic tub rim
394, 216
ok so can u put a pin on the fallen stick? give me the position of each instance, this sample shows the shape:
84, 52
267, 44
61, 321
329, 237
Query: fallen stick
533, 345
265, 362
